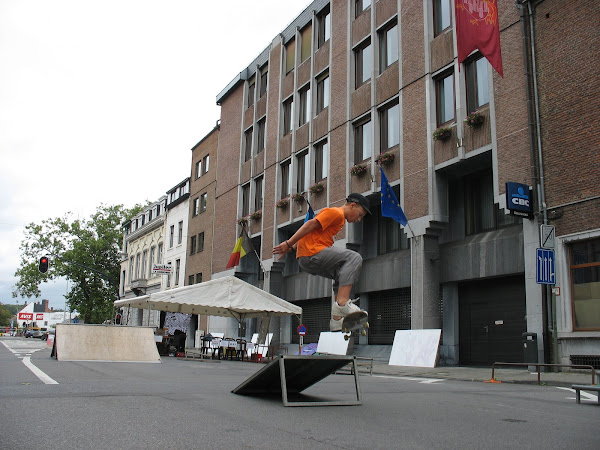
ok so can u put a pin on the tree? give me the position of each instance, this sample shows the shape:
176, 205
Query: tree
86, 252
5, 316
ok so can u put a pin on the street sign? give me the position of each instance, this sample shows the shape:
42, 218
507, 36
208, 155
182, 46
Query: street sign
302, 330
547, 236
164, 269
545, 266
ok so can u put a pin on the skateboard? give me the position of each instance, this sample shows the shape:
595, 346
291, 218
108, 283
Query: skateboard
354, 322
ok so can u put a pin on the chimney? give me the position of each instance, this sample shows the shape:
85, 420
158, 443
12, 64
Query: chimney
45, 303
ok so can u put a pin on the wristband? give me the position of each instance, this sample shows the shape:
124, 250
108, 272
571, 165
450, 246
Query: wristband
288, 244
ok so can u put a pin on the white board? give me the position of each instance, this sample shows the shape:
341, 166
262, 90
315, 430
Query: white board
332, 343
415, 348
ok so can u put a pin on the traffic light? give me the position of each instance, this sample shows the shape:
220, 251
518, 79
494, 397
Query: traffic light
43, 264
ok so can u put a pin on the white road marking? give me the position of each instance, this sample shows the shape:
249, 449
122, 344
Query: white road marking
27, 361
584, 395
421, 380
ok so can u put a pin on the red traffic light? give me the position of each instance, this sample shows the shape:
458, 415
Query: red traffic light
43, 267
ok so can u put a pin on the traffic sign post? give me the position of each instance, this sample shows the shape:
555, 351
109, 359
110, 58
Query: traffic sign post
545, 266
302, 332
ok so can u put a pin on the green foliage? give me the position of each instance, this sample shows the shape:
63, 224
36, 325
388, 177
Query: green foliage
5, 316
86, 252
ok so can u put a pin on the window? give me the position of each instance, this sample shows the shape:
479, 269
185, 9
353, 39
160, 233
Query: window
177, 270
199, 278
180, 233
258, 190
322, 92
201, 242
152, 260
144, 263
324, 26
390, 235
305, 46
137, 266
362, 141
203, 200
192, 245
286, 180
584, 266
441, 15
196, 207
479, 203
288, 115
321, 160
264, 79
363, 61
251, 87
169, 276
361, 5
205, 164
388, 46
159, 256
302, 173
290, 56
304, 113
131, 269
260, 144
390, 126
444, 92
245, 199
477, 84
171, 236
190, 280
248, 144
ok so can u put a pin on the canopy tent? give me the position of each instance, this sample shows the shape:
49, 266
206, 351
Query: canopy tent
225, 297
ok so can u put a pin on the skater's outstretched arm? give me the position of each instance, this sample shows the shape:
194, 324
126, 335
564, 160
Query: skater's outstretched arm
286, 246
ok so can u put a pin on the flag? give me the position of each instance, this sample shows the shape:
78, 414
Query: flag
390, 207
242, 247
477, 28
310, 213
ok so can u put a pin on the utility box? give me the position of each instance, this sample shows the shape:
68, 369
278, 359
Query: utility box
530, 347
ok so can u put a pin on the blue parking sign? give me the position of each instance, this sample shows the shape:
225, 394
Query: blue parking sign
545, 266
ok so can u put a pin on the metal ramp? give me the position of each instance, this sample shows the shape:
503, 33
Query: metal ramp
290, 375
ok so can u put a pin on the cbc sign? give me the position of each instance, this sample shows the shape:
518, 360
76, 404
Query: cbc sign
518, 199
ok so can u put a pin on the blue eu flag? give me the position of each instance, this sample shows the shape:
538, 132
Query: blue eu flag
390, 207
310, 213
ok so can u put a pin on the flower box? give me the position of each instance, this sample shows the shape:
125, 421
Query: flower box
283, 203
475, 119
442, 134
358, 170
385, 159
316, 188
298, 197
256, 215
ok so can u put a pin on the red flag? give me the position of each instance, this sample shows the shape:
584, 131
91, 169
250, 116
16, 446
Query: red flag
477, 28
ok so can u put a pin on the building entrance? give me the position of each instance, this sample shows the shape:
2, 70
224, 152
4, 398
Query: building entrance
491, 321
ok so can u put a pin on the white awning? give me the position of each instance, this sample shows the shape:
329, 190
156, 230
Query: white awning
226, 297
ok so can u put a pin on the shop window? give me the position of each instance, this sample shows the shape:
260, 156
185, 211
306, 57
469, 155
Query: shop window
584, 265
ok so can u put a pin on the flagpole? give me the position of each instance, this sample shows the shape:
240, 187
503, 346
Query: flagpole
253, 249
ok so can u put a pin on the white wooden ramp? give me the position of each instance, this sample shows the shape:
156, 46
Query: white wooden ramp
84, 342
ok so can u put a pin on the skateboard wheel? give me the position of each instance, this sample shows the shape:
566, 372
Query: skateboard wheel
363, 332
366, 324
346, 337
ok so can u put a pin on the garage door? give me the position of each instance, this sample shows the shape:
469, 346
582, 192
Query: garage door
492, 320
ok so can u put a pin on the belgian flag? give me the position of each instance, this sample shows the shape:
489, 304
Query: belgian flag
242, 247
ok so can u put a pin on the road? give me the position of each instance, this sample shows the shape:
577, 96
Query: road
183, 404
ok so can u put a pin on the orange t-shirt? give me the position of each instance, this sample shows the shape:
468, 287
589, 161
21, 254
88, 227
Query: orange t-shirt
332, 220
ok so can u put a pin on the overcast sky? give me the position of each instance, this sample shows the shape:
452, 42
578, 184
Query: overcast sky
101, 102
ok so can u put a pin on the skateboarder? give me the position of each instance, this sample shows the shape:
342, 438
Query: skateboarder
316, 255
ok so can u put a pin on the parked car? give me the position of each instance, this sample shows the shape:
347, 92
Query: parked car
33, 333
46, 333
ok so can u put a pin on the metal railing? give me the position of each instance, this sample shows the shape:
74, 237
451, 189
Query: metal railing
538, 365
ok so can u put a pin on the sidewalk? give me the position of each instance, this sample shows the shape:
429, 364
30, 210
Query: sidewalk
502, 374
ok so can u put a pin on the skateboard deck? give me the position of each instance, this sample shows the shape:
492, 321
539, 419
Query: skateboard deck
355, 322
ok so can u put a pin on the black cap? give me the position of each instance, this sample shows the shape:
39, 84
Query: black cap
360, 199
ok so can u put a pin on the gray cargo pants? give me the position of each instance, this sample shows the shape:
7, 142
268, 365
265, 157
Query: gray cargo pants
339, 264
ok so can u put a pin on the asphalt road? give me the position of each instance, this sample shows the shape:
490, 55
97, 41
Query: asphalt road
186, 404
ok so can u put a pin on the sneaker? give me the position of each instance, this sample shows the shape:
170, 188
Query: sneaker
343, 311
335, 325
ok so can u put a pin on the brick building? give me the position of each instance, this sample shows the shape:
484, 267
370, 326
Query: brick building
348, 80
